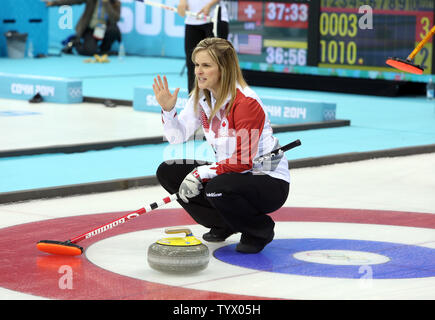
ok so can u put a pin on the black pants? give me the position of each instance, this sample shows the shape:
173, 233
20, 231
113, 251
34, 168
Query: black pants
88, 45
232, 201
193, 35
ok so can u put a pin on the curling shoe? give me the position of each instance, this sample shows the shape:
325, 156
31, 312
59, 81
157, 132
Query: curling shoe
217, 235
247, 247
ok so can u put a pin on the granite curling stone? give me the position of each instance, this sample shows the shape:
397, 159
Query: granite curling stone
179, 254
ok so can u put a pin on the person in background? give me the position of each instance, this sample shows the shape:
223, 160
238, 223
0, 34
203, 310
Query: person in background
97, 28
232, 194
197, 29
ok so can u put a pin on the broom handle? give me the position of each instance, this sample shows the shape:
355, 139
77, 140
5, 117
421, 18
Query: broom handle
174, 9
422, 43
175, 196
125, 218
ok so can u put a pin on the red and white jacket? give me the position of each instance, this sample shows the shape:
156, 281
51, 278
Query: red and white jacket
237, 138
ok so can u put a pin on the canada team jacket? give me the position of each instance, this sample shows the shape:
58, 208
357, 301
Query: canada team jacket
237, 138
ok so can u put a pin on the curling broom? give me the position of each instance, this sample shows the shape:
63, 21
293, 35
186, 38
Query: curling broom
406, 64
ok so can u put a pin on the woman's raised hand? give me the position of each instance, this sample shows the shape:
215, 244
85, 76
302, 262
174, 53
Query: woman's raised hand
163, 95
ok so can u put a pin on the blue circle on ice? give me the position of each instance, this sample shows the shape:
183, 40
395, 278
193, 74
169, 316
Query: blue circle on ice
337, 258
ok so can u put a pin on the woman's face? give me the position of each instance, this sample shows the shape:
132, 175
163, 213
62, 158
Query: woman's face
207, 72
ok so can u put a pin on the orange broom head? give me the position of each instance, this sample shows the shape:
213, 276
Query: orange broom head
58, 247
404, 65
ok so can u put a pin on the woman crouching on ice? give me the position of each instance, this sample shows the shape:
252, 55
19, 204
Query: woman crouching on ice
232, 194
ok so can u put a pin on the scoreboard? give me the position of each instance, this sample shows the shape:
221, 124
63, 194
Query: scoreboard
363, 34
270, 35
322, 36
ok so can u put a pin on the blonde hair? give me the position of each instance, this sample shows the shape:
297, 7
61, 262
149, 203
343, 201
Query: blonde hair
224, 55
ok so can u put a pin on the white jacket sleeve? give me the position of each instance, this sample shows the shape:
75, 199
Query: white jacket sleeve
178, 128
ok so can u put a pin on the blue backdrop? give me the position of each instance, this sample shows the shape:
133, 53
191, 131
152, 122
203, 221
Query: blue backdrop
146, 30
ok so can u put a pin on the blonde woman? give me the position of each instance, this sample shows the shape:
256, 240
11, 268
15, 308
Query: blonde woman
230, 195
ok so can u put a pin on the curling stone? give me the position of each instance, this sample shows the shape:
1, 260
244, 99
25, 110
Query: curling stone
179, 254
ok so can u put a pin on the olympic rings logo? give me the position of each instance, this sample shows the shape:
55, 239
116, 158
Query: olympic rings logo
341, 257
75, 92
338, 256
329, 114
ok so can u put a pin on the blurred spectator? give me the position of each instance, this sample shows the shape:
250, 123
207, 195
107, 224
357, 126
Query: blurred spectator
97, 28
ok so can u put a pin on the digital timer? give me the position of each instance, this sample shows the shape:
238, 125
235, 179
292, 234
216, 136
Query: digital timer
271, 32
286, 14
285, 56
